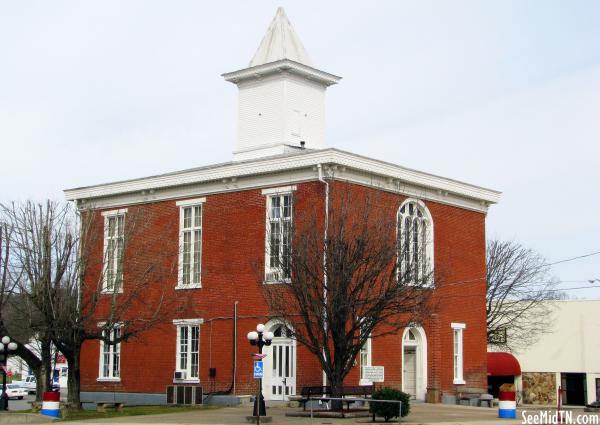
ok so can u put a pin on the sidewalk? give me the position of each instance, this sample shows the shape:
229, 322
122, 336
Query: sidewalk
421, 413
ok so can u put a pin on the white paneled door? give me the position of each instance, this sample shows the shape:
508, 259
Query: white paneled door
280, 376
410, 371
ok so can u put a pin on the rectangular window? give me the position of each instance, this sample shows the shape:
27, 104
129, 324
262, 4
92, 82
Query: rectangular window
110, 355
114, 222
190, 243
457, 330
188, 351
279, 237
365, 360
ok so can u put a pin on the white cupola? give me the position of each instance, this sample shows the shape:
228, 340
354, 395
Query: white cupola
281, 105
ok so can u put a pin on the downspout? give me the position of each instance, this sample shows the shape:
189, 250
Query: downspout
231, 389
322, 180
235, 306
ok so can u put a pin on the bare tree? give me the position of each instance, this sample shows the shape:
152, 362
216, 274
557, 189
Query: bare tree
63, 255
345, 282
519, 286
19, 317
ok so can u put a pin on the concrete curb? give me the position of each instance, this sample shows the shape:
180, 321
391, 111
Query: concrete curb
25, 418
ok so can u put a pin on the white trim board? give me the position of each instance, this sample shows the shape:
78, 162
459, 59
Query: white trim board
287, 170
188, 322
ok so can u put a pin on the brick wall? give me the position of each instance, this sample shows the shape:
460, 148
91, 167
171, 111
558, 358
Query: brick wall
233, 269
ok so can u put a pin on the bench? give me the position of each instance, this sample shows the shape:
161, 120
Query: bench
317, 392
309, 393
36, 406
363, 391
474, 398
486, 398
102, 405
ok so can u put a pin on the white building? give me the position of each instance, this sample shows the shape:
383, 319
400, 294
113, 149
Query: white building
567, 357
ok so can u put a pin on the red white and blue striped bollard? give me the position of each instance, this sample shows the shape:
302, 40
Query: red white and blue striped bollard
51, 404
507, 405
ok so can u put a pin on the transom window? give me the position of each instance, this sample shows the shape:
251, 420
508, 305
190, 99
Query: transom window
410, 336
188, 344
281, 331
110, 354
190, 244
279, 228
114, 222
414, 240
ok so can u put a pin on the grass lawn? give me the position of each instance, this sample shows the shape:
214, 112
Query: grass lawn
131, 411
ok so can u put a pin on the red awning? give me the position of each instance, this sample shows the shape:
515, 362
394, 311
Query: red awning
502, 364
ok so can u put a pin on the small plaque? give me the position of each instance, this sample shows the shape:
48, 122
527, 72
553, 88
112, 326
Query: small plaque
373, 373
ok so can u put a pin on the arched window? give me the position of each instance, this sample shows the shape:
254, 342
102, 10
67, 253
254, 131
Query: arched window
415, 242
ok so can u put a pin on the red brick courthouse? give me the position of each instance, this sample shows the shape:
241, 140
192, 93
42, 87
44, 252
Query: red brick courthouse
219, 219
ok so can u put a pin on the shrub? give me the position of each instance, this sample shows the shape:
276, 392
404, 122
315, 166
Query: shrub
389, 410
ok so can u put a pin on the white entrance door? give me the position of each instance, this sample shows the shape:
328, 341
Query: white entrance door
410, 371
280, 378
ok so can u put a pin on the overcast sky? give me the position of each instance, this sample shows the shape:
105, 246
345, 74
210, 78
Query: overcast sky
502, 94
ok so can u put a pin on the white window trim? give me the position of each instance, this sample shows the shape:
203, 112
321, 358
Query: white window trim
107, 215
429, 251
369, 362
113, 212
101, 359
179, 323
188, 322
278, 191
459, 373
186, 204
190, 202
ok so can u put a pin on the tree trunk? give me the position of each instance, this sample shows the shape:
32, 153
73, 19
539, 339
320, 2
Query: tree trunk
39, 386
336, 392
74, 379
43, 372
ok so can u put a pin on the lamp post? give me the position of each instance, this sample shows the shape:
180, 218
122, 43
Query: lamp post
5, 347
260, 338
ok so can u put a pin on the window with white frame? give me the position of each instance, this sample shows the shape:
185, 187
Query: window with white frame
457, 331
110, 354
279, 237
414, 241
190, 243
365, 358
188, 350
114, 224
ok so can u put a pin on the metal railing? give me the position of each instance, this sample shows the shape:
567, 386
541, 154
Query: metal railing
355, 399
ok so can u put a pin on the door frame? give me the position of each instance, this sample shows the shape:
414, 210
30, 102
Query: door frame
420, 344
268, 369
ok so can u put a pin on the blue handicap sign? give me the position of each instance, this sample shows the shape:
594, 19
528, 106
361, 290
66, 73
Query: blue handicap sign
258, 369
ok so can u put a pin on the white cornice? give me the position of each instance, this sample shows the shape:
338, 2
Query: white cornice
284, 170
276, 67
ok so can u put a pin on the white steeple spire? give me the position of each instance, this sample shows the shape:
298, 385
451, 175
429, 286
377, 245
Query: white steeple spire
280, 42
281, 104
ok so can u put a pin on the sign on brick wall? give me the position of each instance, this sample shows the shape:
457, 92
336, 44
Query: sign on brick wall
373, 373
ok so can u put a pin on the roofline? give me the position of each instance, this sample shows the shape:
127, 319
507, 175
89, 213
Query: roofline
281, 163
265, 69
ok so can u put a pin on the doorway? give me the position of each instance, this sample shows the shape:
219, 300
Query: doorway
410, 371
279, 380
573, 387
414, 362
